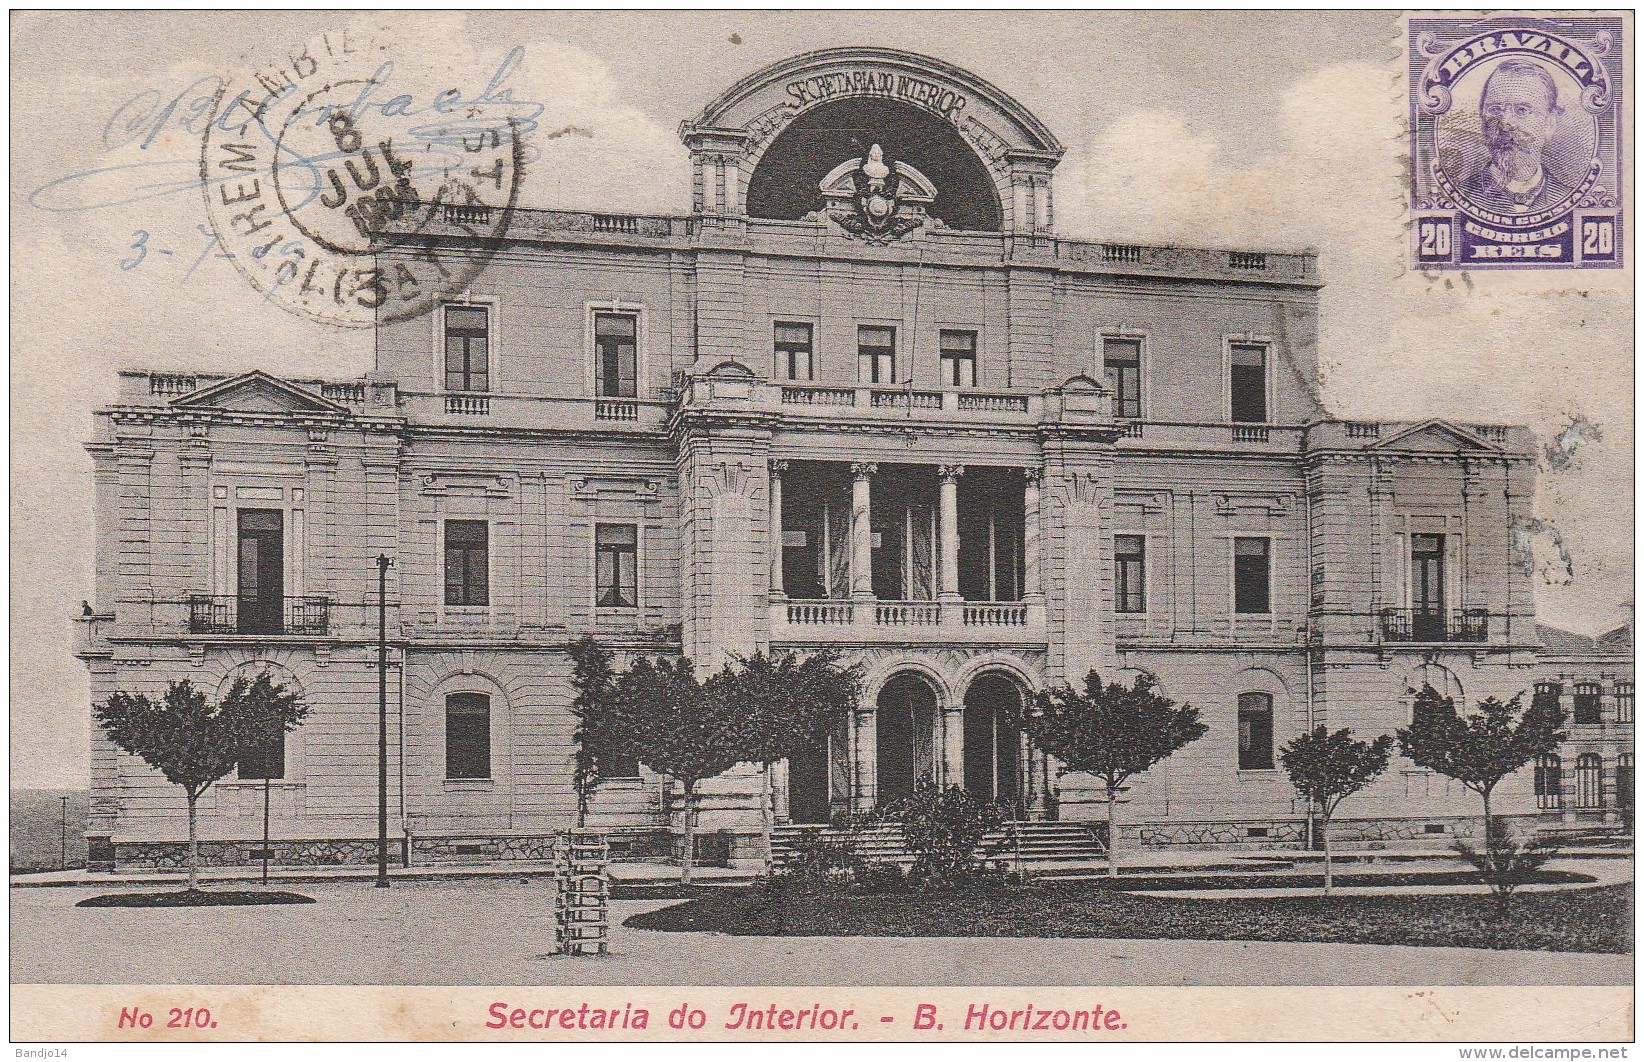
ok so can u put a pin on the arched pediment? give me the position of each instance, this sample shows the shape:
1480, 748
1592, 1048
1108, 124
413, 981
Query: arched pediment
780, 130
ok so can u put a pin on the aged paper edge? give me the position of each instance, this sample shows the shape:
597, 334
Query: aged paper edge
239, 1013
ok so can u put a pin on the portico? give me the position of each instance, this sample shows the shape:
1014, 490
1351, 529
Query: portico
931, 553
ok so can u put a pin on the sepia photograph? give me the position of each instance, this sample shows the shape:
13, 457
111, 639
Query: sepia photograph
821, 526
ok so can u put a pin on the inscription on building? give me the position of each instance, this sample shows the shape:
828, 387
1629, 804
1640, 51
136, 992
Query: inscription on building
938, 99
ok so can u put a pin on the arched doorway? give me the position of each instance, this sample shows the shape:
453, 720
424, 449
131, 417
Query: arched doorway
993, 741
819, 778
903, 726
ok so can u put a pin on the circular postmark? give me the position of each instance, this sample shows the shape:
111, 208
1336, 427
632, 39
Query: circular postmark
345, 209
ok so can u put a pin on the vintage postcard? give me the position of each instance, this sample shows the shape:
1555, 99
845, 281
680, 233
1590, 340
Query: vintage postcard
822, 526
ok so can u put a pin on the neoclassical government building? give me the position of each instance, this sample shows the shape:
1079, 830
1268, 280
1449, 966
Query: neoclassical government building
862, 396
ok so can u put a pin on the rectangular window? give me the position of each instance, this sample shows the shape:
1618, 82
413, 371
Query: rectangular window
1248, 379
260, 600
468, 736
1130, 563
1623, 702
616, 557
1427, 620
467, 563
616, 355
1588, 703
1122, 368
794, 351
876, 354
467, 348
267, 760
958, 358
1255, 732
1251, 571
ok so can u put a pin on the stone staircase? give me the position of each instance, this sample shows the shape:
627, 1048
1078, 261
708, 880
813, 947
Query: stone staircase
1041, 845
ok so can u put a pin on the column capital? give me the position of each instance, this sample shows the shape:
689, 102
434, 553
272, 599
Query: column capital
779, 468
863, 470
950, 472
1033, 476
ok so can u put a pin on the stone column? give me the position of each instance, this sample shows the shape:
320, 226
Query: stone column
1030, 535
953, 744
948, 523
778, 469
863, 736
862, 531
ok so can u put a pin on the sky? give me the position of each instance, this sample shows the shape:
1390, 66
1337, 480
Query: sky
1277, 130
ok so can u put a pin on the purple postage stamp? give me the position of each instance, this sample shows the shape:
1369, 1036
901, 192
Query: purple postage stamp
1515, 142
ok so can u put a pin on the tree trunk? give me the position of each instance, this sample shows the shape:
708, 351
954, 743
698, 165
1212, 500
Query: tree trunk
1112, 834
1488, 844
1324, 834
688, 855
193, 845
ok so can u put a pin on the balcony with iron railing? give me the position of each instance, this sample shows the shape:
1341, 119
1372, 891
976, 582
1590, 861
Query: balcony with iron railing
907, 622
232, 614
1468, 625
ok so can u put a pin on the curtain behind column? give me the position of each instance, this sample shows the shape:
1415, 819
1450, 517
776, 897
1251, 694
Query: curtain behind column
837, 514
922, 517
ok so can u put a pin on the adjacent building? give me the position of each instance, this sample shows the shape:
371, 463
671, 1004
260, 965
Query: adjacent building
864, 397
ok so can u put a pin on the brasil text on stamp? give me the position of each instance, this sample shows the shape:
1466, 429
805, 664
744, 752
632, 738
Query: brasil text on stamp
1515, 141
306, 179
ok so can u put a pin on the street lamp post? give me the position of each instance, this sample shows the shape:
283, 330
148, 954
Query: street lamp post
383, 564
62, 838
266, 772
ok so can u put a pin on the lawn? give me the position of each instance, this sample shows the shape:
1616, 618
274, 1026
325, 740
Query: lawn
1593, 920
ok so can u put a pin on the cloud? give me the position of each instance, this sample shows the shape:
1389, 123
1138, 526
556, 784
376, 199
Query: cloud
1542, 349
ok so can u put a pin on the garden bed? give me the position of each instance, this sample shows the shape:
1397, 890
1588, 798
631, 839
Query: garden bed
195, 898
1591, 920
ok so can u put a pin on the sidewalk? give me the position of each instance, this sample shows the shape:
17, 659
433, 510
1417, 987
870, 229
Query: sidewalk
621, 873
1270, 863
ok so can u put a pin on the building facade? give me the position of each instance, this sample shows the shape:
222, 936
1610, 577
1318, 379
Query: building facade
863, 397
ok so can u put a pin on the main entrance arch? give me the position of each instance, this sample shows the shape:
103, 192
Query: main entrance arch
993, 740
904, 727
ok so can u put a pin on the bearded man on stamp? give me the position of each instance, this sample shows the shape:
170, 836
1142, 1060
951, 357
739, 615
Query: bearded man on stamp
1519, 110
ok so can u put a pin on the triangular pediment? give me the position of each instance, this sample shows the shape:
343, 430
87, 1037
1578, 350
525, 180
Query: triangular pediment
1434, 436
258, 392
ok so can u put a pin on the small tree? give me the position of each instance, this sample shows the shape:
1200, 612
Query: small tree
1487, 746
600, 736
942, 828
1111, 732
1507, 862
760, 709
790, 705
1327, 768
684, 728
194, 742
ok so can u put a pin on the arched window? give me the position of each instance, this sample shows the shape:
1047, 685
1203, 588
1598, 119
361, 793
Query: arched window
1549, 782
467, 736
1589, 781
1255, 732
1623, 702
